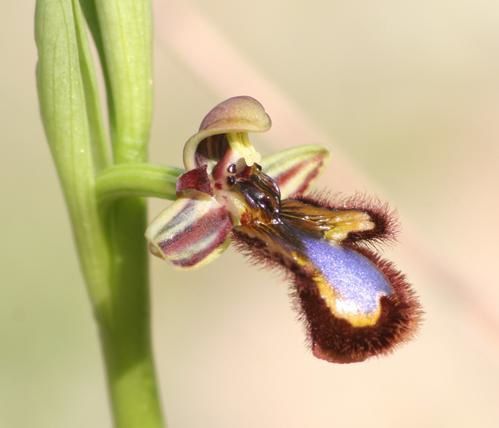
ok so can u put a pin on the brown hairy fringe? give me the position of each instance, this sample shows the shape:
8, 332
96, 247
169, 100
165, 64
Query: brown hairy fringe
330, 337
385, 219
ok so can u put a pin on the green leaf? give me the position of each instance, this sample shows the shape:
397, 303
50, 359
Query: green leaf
123, 34
70, 115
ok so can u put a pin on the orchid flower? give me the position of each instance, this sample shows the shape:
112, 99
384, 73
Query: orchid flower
354, 303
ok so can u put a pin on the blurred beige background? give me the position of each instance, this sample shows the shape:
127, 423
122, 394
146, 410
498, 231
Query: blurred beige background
405, 95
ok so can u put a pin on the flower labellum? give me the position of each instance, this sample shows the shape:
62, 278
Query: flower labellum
354, 303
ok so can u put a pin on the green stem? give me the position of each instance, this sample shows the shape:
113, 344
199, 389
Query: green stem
125, 327
125, 31
139, 179
130, 368
66, 97
109, 238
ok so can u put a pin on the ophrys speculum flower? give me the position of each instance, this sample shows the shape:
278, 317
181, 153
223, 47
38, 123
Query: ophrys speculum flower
354, 303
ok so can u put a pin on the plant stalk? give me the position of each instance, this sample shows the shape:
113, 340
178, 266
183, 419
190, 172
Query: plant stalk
141, 179
125, 32
109, 237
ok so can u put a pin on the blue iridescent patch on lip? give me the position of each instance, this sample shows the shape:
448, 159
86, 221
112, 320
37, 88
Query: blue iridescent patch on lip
355, 280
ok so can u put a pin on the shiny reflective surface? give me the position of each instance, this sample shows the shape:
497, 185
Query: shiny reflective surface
356, 281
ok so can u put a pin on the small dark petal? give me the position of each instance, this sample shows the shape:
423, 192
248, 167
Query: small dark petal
195, 179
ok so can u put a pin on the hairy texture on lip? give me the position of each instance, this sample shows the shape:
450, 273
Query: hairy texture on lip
332, 338
335, 340
385, 220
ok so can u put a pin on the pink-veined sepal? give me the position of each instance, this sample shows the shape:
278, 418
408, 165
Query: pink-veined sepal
296, 168
191, 232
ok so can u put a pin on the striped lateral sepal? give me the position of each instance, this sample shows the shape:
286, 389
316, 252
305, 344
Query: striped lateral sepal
191, 232
295, 169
